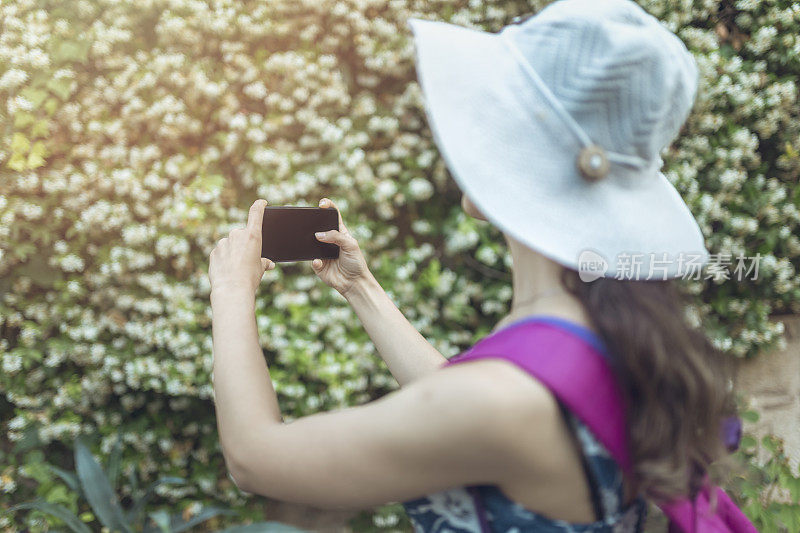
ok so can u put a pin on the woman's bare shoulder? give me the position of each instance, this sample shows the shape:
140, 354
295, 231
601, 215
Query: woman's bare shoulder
537, 437
511, 394
527, 408
498, 375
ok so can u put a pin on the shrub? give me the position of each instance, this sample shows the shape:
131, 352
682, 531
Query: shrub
97, 486
136, 134
768, 486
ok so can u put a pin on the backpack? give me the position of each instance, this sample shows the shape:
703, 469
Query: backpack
569, 362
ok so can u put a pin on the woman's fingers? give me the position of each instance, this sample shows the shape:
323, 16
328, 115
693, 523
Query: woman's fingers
345, 241
327, 202
255, 217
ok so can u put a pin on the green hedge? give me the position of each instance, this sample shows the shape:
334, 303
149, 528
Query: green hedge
136, 134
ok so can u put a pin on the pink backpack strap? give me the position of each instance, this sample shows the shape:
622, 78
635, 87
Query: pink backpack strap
583, 379
559, 360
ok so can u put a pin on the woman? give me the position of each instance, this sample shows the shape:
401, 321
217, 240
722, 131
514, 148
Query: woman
552, 128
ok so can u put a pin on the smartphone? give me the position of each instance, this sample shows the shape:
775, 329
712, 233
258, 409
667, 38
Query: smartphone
287, 233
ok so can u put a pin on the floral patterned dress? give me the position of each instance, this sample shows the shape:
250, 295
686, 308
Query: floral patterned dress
485, 508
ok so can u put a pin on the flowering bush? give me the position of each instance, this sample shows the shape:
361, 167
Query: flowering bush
136, 134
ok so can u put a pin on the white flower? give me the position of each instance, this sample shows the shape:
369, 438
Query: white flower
11, 363
72, 263
420, 188
487, 254
385, 189
238, 122
256, 90
12, 78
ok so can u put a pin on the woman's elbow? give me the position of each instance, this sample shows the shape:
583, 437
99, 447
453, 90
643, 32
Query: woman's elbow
237, 472
239, 484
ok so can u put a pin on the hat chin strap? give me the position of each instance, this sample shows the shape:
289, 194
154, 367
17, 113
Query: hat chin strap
583, 137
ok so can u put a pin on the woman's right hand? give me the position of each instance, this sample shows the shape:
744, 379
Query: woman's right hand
340, 273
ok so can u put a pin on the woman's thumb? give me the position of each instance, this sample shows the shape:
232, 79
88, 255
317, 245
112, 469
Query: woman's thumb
316, 264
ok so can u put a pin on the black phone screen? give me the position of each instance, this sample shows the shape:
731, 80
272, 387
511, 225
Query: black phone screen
287, 233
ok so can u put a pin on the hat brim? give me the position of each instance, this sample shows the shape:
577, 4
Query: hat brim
509, 152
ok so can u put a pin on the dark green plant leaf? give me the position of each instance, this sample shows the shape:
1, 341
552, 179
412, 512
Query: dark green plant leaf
794, 488
69, 477
135, 513
748, 441
161, 518
59, 511
133, 481
178, 525
788, 516
98, 490
176, 522
30, 435
114, 462
749, 416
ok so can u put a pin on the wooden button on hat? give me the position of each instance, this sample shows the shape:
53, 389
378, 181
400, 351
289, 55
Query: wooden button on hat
593, 163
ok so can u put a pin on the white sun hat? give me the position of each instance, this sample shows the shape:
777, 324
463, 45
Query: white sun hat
554, 128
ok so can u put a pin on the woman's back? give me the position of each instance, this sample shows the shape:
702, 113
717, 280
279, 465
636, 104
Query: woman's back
571, 482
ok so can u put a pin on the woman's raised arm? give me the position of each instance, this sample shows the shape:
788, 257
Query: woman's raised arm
448, 429
406, 352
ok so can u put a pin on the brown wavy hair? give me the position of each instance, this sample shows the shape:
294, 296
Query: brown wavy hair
677, 384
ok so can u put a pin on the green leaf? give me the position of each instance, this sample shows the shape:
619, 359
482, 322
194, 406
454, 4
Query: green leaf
139, 504
748, 441
59, 494
36, 157
750, 416
36, 470
59, 511
40, 129
51, 105
161, 518
98, 490
114, 462
39, 270
62, 87
23, 119
208, 182
23, 250
794, 488
787, 516
65, 51
69, 478
133, 481
18, 162
30, 439
20, 144
178, 525
34, 96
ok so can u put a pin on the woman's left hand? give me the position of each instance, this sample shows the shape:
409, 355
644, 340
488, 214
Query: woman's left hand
236, 262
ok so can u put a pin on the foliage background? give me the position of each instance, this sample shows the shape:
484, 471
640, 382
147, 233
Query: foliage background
135, 134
